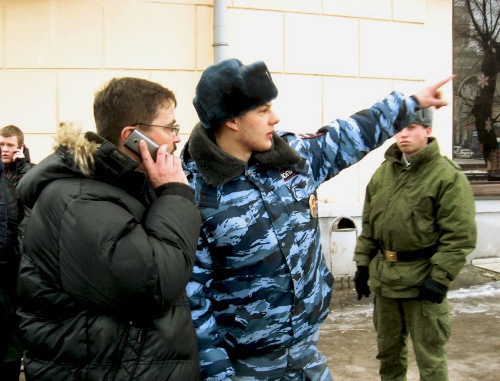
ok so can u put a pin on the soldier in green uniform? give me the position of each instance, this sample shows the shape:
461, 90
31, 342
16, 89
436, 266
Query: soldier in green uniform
418, 228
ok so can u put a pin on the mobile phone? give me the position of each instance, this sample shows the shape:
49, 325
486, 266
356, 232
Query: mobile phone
132, 143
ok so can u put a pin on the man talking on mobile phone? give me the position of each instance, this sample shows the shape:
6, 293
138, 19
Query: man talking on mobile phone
15, 155
109, 248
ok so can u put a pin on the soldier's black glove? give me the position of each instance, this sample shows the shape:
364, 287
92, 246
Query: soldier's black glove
361, 281
433, 291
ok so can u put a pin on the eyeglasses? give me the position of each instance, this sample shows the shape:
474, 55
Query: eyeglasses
175, 128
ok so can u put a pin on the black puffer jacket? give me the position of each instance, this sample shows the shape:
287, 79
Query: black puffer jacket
16, 170
10, 349
102, 282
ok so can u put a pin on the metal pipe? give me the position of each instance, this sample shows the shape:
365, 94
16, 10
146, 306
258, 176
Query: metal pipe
220, 25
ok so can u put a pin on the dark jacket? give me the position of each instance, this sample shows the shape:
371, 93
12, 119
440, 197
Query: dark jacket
10, 349
414, 207
17, 169
102, 281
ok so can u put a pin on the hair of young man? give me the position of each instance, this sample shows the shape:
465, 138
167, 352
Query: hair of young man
12, 130
127, 101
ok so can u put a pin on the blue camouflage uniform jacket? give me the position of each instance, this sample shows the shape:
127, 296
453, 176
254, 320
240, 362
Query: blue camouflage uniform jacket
260, 281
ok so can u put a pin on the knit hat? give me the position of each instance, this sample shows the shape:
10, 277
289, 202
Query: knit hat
423, 117
228, 89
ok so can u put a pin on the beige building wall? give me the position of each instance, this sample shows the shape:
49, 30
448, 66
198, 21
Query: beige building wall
329, 59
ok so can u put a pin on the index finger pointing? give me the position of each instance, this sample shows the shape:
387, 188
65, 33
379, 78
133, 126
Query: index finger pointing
443, 81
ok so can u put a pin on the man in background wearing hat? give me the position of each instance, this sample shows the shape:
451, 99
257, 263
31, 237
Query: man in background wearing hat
418, 227
260, 288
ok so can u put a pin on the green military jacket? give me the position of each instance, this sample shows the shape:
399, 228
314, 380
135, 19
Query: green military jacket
407, 208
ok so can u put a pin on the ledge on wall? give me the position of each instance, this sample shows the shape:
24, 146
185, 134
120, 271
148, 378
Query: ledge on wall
491, 264
486, 188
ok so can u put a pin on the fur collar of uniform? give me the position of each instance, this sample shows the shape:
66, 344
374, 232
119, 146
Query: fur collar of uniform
217, 167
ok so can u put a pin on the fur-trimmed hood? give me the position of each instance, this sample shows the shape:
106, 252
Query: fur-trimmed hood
78, 156
217, 167
77, 146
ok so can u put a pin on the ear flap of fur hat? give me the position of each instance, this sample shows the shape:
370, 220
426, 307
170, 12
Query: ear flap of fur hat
228, 89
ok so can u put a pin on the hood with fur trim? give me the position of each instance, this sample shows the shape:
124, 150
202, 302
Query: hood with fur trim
217, 167
88, 156
78, 147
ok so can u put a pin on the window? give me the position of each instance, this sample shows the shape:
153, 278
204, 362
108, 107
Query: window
476, 130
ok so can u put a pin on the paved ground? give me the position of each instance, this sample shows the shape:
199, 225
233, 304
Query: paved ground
348, 338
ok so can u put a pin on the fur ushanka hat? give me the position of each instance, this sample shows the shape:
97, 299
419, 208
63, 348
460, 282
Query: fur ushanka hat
228, 89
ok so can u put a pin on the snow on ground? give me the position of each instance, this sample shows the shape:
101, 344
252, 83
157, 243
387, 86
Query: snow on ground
484, 290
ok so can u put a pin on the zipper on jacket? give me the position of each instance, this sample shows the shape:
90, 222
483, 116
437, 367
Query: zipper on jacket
118, 355
140, 339
140, 336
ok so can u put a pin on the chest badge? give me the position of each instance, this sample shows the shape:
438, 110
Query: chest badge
313, 206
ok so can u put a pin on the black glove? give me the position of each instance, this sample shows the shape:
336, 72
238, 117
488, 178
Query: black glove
361, 281
433, 291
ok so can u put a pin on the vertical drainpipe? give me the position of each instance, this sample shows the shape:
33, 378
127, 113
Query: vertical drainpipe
220, 41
